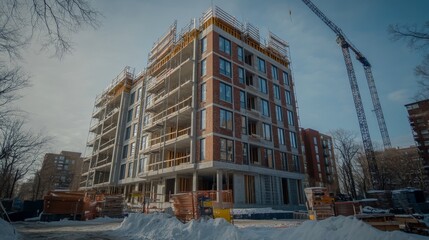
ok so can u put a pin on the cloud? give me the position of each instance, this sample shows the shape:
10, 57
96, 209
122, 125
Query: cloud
400, 96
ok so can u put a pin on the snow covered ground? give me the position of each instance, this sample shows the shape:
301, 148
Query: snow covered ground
163, 226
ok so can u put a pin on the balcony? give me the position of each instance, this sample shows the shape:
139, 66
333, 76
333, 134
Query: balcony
167, 163
155, 84
173, 111
159, 100
180, 138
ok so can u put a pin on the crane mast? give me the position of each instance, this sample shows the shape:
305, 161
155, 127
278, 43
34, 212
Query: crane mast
366, 138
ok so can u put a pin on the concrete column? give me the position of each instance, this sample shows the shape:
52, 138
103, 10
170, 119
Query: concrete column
219, 185
176, 184
195, 181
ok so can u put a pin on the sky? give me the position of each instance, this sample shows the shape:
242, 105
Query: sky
61, 99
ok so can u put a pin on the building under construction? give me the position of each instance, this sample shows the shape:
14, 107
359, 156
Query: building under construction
213, 110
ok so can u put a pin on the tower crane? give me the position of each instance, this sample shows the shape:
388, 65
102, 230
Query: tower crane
346, 46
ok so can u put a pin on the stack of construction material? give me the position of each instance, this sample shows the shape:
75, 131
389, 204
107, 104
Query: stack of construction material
184, 206
112, 206
384, 198
347, 208
319, 203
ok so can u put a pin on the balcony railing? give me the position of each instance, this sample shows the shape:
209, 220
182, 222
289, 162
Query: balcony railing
170, 111
168, 163
170, 136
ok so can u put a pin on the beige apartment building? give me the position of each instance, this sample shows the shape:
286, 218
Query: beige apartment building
213, 110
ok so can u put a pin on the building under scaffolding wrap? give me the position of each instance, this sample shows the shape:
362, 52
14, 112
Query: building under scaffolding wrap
214, 110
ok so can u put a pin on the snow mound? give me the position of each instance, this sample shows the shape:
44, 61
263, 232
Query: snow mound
7, 231
163, 226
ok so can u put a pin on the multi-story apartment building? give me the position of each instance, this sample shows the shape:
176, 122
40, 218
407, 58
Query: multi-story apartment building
60, 172
320, 160
418, 115
218, 113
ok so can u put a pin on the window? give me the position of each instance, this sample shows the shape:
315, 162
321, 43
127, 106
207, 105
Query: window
261, 65
202, 149
122, 172
295, 160
130, 169
125, 151
144, 142
241, 75
286, 78
203, 92
135, 129
203, 67
279, 113
224, 45
245, 153
225, 119
266, 131
242, 100
203, 119
263, 85
133, 149
142, 162
139, 93
146, 119
240, 53
288, 97
226, 150
274, 72
225, 67
290, 118
269, 157
130, 115
276, 91
265, 108
127, 133
132, 96
293, 141
225, 92
203, 45
283, 160
281, 134
243, 125
148, 101
137, 111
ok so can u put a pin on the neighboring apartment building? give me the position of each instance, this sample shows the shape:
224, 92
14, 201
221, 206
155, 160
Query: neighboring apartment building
218, 112
59, 172
320, 160
418, 115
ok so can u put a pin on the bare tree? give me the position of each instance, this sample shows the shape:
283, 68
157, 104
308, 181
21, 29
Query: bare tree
418, 39
347, 150
19, 150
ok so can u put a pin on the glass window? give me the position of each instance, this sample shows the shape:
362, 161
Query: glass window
203, 67
286, 78
281, 134
243, 125
132, 98
283, 160
269, 157
203, 119
263, 85
293, 141
288, 97
225, 92
279, 113
261, 65
266, 131
139, 94
137, 111
130, 115
274, 72
125, 151
144, 142
240, 53
146, 119
225, 67
135, 129
225, 119
142, 162
242, 99
276, 91
203, 92
130, 169
245, 153
203, 44
290, 118
127, 133
224, 45
265, 108
202, 149
241, 75
133, 149
122, 171
296, 164
226, 150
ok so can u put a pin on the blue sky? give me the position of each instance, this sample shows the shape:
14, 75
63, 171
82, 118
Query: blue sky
61, 98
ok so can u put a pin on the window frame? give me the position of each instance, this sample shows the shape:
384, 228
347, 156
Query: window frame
225, 67
224, 89
226, 119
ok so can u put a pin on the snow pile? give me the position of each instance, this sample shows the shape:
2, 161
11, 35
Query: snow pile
240, 211
7, 231
67, 222
163, 226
